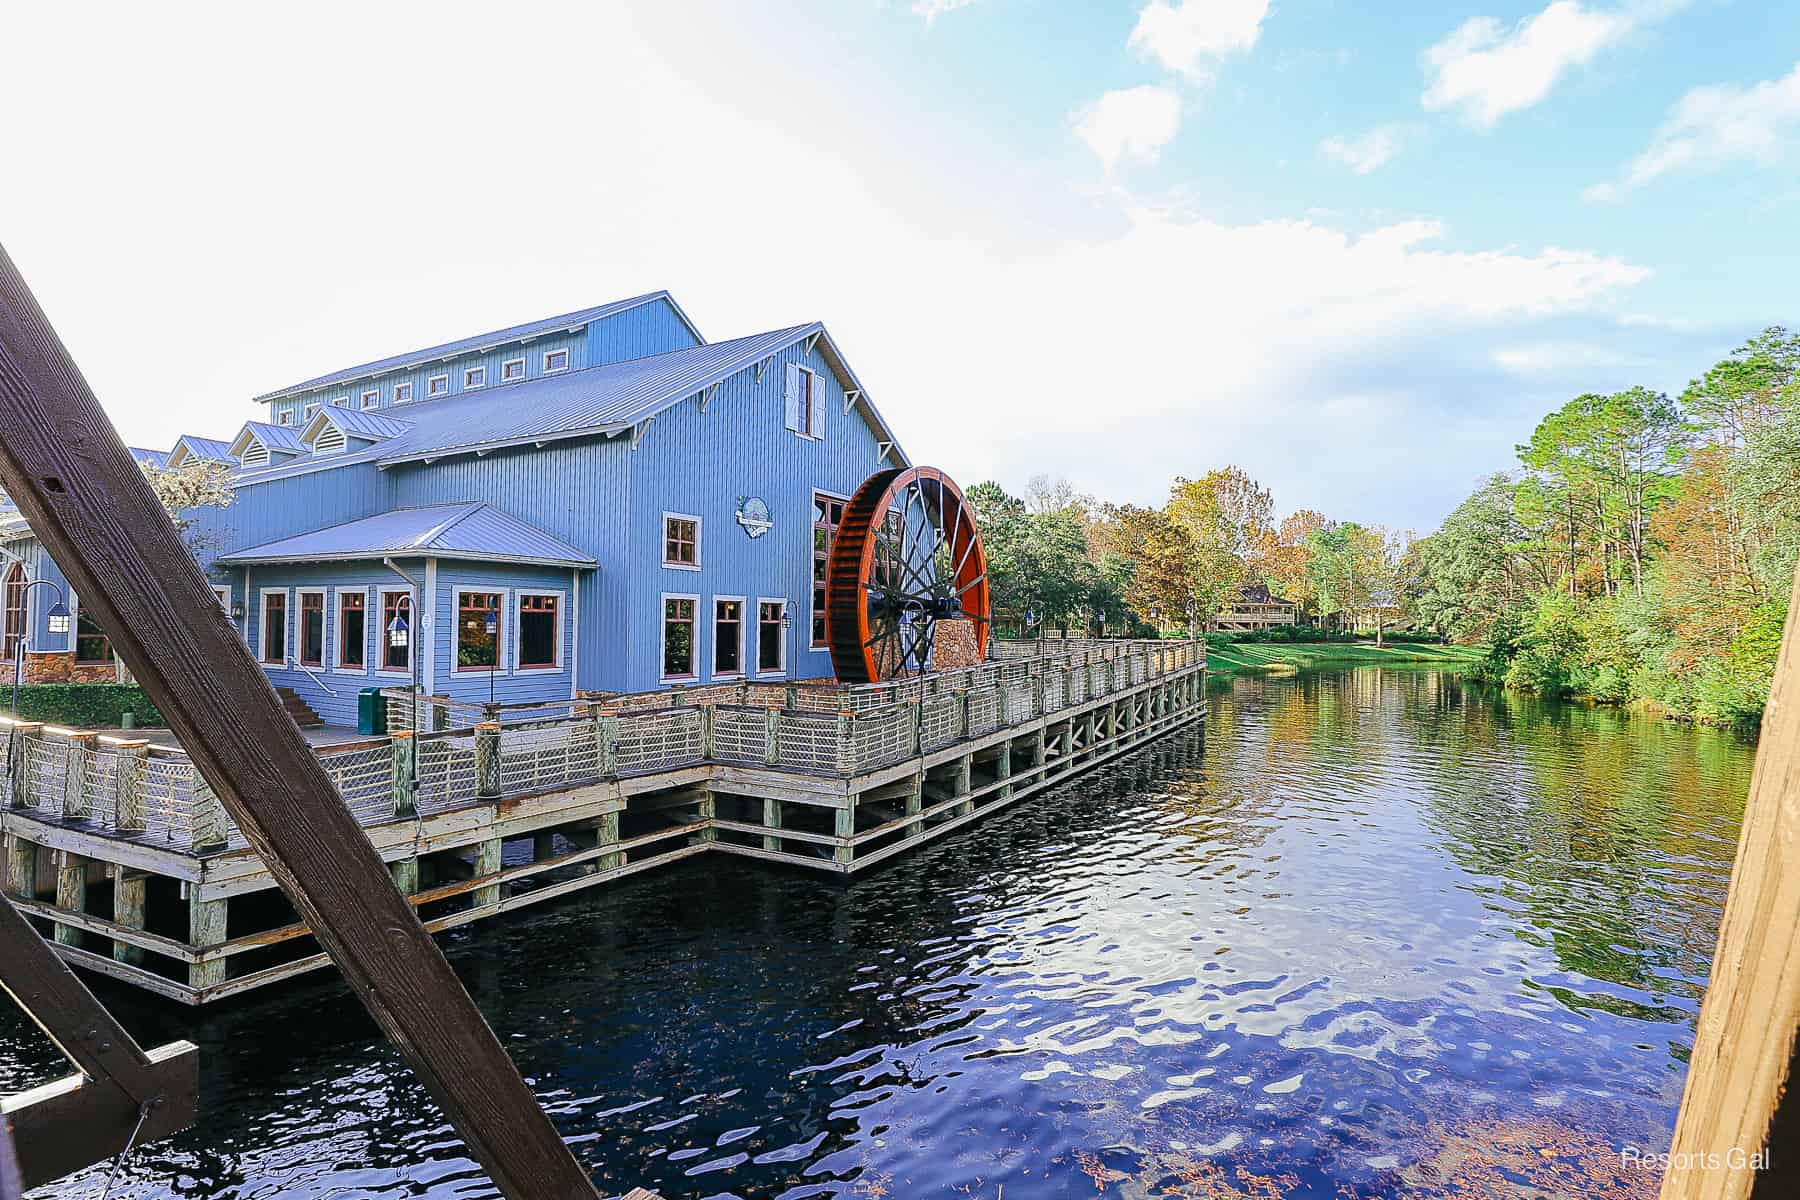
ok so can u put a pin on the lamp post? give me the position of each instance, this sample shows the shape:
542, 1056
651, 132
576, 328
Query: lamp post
398, 635
787, 650
492, 625
58, 623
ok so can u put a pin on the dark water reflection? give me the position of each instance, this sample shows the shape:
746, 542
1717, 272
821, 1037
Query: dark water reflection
1387, 935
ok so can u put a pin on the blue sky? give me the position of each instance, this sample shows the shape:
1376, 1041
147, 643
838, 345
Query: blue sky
1356, 249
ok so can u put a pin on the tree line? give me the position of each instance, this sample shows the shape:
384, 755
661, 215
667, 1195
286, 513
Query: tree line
1072, 562
1643, 548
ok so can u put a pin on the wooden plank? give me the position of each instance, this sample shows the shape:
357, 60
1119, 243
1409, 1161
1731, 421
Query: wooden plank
75, 1122
87, 501
1736, 1094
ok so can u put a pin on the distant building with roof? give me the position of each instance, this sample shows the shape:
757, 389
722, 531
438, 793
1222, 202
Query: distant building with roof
548, 509
1256, 607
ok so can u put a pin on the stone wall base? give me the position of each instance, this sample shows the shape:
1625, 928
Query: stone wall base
59, 666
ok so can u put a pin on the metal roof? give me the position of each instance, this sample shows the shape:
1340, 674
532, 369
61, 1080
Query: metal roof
480, 341
472, 530
355, 422
206, 448
150, 458
275, 437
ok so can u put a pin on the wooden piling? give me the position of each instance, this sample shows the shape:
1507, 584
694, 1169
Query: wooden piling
71, 893
129, 890
206, 929
487, 862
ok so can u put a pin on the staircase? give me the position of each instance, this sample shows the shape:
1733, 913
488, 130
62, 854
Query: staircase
298, 709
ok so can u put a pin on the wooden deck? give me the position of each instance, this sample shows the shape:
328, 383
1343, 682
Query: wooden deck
123, 859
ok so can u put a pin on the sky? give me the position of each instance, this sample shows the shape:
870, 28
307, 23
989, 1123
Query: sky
1356, 249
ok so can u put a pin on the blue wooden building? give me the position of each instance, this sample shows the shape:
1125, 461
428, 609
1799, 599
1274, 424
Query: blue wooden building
598, 501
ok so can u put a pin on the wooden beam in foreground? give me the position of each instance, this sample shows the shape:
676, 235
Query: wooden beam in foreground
122, 1097
88, 503
1739, 1097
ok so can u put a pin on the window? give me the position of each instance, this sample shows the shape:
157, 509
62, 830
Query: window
728, 635
15, 610
438, 385
681, 541
511, 369
312, 410
352, 630
771, 638
311, 632
808, 383
678, 636
341, 402
91, 643
474, 377
555, 360
285, 417
223, 594
396, 651
828, 514
402, 393
371, 398
538, 650
477, 631
274, 626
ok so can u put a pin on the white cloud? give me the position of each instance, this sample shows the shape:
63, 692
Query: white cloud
1130, 123
1370, 152
1190, 35
1486, 71
1718, 126
931, 10
1550, 358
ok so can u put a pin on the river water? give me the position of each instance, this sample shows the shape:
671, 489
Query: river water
1384, 934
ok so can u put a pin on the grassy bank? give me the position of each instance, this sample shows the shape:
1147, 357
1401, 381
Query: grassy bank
1249, 656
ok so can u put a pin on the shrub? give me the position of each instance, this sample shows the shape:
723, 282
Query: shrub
92, 705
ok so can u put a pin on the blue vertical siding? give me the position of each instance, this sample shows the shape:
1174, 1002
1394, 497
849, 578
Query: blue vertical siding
648, 329
510, 686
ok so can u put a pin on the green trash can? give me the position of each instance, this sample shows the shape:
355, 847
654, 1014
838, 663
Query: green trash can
371, 712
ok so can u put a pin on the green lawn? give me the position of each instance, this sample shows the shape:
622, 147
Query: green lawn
1226, 660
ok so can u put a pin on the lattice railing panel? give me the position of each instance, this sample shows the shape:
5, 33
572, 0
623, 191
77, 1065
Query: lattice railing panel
881, 738
809, 742
740, 736
658, 740
940, 722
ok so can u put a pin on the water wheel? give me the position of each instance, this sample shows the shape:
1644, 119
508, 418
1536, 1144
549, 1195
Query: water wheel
906, 586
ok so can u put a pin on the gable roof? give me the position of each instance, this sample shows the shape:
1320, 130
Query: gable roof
481, 341
208, 449
603, 400
472, 530
275, 437
355, 422
150, 458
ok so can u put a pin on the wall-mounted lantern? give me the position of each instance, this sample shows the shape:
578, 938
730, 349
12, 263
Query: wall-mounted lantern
59, 618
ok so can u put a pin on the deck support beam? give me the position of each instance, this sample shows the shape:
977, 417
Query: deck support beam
129, 890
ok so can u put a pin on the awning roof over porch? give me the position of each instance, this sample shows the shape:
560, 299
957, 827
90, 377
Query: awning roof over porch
471, 531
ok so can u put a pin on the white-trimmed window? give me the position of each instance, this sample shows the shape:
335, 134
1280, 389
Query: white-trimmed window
771, 635
341, 402
728, 636
352, 630
403, 392
396, 657
371, 398
538, 644
555, 360
311, 410
805, 400
480, 629
512, 370
680, 630
828, 514
474, 377
309, 627
223, 593
681, 541
438, 385
273, 633
285, 417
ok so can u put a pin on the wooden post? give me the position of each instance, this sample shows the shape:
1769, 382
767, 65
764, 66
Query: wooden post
708, 715
609, 742
405, 873
846, 745
706, 809
772, 736
206, 928
403, 773
915, 801
90, 507
607, 834
487, 862
915, 727
845, 826
772, 819
961, 782
209, 826
128, 910
21, 866
1740, 1095
24, 751
131, 771
78, 799
1003, 768
71, 893
487, 759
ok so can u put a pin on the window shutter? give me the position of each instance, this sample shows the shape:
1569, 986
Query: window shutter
818, 405
793, 396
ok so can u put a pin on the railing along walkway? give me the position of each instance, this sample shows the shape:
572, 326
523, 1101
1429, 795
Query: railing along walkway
134, 790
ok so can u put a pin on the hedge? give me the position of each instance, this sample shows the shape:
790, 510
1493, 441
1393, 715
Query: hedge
88, 705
